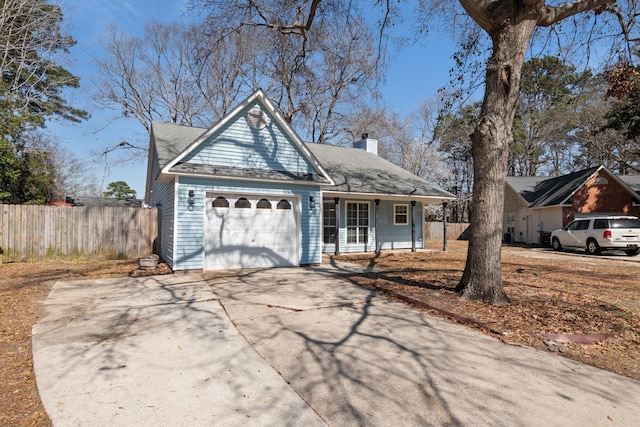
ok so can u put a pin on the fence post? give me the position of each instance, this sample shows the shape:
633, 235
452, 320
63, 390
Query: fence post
444, 224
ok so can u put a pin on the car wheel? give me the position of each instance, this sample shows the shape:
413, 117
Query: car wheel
633, 252
592, 247
556, 244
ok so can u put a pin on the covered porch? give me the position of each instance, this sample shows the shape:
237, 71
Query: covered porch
373, 223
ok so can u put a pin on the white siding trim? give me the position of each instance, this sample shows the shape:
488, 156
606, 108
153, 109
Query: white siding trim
238, 178
386, 196
176, 185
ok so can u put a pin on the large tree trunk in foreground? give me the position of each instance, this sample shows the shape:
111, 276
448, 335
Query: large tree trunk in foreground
510, 24
482, 277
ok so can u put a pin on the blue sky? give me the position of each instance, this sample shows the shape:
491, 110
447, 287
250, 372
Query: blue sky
413, 77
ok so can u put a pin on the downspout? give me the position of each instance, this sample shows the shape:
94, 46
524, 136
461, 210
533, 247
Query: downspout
337, 231
413, 227
376, 225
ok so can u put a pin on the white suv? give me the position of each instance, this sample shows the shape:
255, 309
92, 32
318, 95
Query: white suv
600, 233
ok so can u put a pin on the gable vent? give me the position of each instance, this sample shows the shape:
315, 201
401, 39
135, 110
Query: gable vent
257, 119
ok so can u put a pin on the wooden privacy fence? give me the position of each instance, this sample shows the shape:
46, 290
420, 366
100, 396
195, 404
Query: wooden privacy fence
435, 231
34, 232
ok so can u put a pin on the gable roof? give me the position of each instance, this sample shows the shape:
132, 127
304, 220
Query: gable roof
633, 181
354, 170
545, 191
179, 141
339, 169
171, 140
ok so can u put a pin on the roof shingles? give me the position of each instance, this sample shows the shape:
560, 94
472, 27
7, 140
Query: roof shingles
353, 170
545, 191
357, 171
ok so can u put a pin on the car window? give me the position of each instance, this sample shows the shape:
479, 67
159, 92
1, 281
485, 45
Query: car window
625, 223
572, 226
583, 225
600, 224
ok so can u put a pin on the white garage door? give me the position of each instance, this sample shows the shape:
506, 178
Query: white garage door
250, 231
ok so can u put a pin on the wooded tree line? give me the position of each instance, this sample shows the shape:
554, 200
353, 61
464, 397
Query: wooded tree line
33, 168
566, 120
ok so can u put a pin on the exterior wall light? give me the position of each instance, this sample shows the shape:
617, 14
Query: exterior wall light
192, 200
312, 203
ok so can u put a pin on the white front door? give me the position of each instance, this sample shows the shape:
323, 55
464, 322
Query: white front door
251, 231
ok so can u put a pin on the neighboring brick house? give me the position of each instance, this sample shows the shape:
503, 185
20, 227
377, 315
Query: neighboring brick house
535, 206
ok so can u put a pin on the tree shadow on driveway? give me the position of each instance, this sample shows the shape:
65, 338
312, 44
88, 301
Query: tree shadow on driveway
359, 359
157, 350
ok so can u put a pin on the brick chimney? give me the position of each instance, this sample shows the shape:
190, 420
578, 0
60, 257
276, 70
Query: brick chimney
367, 144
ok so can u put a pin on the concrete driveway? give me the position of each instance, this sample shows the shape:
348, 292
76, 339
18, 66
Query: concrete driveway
295, 346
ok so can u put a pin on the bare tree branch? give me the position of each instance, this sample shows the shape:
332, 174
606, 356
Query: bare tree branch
550, 15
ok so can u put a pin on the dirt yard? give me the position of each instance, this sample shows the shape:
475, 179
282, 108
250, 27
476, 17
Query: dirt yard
565, 297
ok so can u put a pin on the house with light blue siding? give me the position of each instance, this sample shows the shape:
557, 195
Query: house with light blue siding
249, 193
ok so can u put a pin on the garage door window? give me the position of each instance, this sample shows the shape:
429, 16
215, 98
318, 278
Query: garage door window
283, 204
263, 204
243, 203
220, 202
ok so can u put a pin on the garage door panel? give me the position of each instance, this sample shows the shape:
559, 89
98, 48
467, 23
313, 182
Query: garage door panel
251, 237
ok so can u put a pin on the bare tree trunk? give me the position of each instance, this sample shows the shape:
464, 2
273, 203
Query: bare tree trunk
482, 277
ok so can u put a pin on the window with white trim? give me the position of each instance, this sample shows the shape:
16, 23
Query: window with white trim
329, 222
400, 214
357, 222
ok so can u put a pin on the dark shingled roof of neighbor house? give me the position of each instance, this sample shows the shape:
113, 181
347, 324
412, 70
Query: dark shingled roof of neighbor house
633, 181
545, 191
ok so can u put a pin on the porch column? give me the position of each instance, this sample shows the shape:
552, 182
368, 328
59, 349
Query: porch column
413, 227
337, 231
444, 224
376, 225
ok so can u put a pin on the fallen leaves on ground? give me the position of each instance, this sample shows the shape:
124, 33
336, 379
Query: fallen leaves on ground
23, 288
554, 298
551, 294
